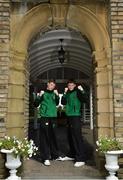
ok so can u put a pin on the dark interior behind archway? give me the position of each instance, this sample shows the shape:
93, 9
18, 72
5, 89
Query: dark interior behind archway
44, 65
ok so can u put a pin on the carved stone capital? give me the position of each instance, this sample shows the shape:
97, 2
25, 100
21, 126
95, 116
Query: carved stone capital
17, 60
16, 55
59, 14
102, 54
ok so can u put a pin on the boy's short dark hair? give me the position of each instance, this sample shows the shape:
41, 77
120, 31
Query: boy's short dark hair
71, 81
51, 80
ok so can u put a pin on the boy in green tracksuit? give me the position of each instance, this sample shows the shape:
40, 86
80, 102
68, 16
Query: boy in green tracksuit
72, 98
47, 101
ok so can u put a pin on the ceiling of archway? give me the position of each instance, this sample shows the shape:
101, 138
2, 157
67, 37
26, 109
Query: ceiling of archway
43, 52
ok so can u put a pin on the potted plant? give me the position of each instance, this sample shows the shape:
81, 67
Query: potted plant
111, 147
16, 150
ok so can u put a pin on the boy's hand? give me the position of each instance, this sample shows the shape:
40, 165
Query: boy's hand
56, 92
41, 93
80, 88
66, 89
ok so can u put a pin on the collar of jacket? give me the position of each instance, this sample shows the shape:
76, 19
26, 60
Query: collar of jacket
75, 89
49, 91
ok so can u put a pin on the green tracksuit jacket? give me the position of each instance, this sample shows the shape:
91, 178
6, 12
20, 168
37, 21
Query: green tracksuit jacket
72, 101
47, 104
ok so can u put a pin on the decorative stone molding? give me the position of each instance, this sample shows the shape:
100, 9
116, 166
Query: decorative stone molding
75, 17
59, 14
102, 40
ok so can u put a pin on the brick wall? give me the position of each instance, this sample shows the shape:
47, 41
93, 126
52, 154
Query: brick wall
116, 7
4, 62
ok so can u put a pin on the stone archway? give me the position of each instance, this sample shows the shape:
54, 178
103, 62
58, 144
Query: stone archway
31, 23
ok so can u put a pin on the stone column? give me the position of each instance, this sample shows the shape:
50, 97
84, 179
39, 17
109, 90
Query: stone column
4, 69
116, 14
18, 95
103, 94
103, 101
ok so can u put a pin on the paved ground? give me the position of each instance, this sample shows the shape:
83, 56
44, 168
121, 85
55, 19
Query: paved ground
62, 170
59, 170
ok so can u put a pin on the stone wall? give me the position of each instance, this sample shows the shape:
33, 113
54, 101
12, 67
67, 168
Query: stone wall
4, 72
117, 61
4, 62
116, 7
9, 102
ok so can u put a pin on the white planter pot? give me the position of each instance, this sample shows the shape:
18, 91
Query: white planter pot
112, 163
12, 163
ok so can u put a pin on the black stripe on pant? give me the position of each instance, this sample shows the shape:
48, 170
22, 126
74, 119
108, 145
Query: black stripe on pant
75, 139
48, 140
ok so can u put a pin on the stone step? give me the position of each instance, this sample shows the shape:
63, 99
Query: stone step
59, 170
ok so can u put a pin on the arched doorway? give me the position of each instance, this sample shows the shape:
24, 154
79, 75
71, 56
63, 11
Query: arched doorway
38, 19
45, 65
